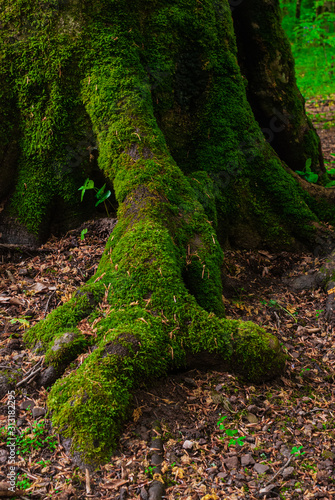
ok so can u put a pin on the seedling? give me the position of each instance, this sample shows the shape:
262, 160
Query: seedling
297, 451
24, 483
318, 312
150, 470
274, 303
230, 433
82, 234
307, 173
304, 370
101, 195
24, 323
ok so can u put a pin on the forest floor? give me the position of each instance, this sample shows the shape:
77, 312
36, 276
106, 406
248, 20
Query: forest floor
287, 425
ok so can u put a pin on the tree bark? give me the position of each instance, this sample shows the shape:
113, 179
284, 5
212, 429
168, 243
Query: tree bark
157, 90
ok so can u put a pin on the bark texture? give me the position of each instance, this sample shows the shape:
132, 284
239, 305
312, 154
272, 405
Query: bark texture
156, 89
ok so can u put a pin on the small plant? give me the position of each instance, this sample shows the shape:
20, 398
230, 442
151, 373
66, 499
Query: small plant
307, 173
82, 234
33, 439
304, 370
297, 451
101, 195
230, 433
318, 312
309, 467
274, 303
44, 463
150, 470
24, 483
24, 323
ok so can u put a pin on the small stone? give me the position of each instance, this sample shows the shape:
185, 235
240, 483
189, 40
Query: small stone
3, 456
267, 489
47, 377
202, 441
189, 381
247, 460
252, 419
27, 404
38, 412
287, 472
285, 451
143, 494
188, 445
250, 439
222, 475
232, 462
14, 345
261, 468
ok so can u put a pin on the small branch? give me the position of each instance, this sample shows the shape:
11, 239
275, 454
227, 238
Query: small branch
88, 482
47, 305
32, 372
279, 471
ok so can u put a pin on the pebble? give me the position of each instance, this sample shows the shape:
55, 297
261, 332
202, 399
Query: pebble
38, 412
232, 462
28, 403
247, 460
287, 472
188, 445
261, 468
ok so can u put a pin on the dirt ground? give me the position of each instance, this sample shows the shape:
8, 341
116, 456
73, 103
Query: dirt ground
207, 436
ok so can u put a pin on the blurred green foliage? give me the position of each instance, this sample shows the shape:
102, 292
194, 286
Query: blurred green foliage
312, 36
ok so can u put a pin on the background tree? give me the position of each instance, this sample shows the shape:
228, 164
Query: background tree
170, 109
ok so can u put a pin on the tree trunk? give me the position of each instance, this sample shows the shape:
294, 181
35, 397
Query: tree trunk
157, 90
298, 9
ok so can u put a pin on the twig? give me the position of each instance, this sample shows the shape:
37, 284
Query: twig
32, 373
279, 471
88, 484
46, 307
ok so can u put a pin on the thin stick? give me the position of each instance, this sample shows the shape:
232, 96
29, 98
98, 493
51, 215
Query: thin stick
46, 307
32, 373
279, 471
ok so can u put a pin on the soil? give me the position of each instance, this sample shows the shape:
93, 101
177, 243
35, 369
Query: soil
222, 438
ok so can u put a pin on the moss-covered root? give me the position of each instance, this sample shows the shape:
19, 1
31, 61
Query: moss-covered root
58, 335
91, 404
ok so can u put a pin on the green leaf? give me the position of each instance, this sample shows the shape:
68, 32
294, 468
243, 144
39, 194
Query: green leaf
299, 172
312, 177
88, 184
103, 198
82, 234
330, 184
231, 432
308, 165
232, 442
100, 193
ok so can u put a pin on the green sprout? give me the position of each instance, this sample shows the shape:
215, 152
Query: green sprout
101, 195
297, 451
230, 433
